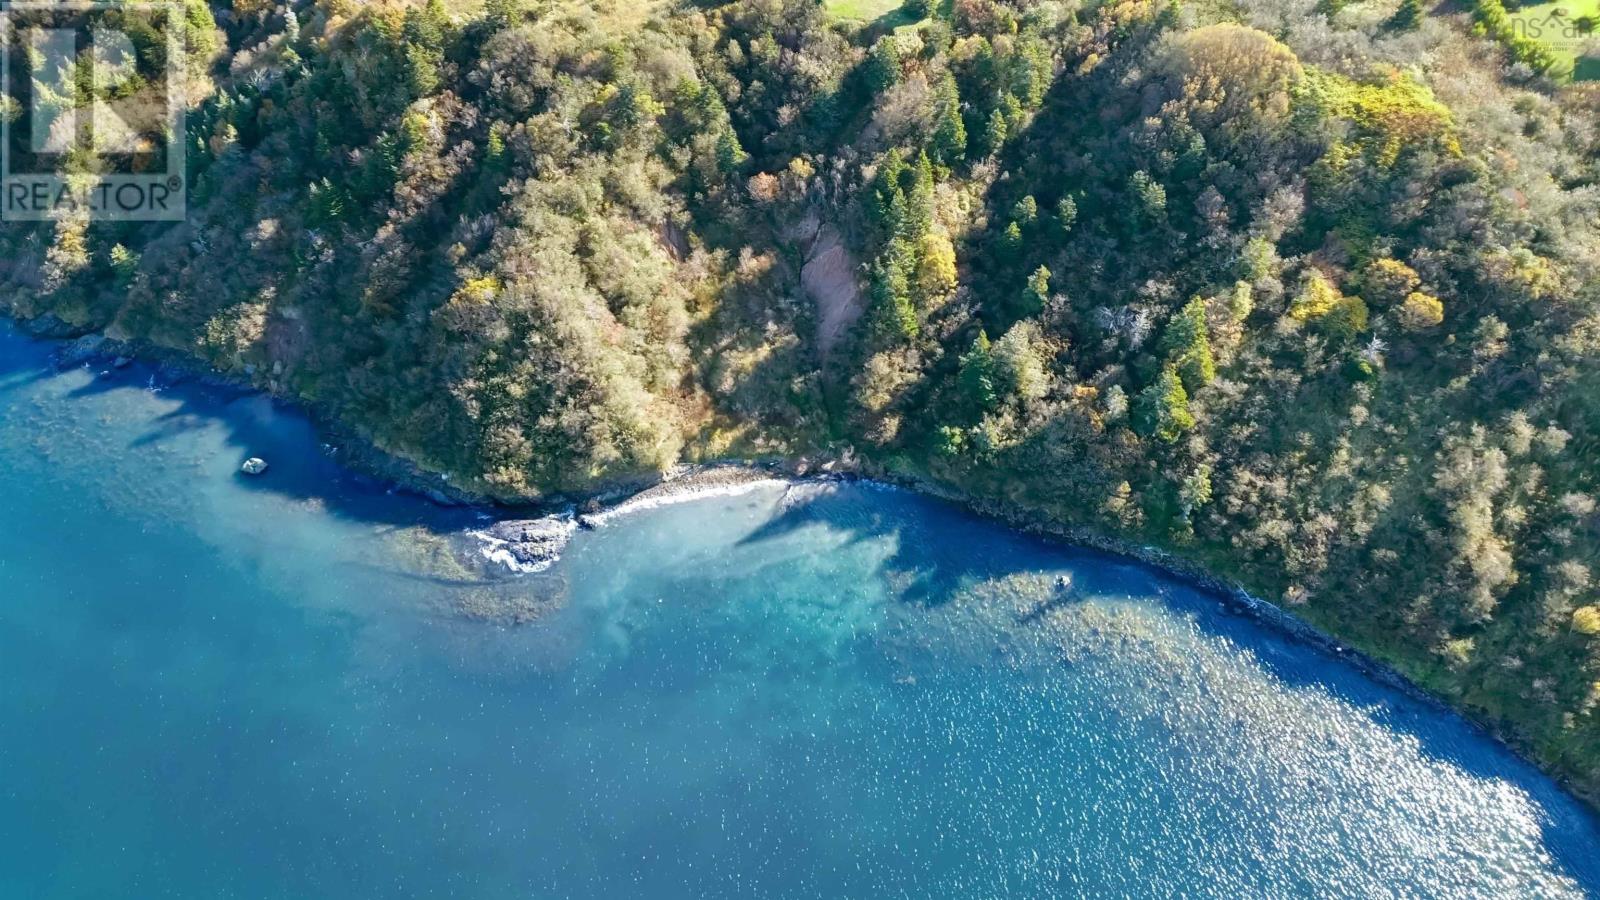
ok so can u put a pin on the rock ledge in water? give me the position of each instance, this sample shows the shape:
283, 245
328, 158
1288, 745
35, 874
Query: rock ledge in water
528, 545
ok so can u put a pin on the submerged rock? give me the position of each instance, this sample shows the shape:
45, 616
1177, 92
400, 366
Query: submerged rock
500, 606
255, 465
51, 326
440, 497
78, 352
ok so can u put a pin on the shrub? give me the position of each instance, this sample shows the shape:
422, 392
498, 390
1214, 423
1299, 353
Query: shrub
1421, 312
1586, 620
1388, 281
1317, 298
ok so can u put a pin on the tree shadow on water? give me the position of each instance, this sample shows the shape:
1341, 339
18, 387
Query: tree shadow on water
939, 552
301, 466
23, 361
936, 551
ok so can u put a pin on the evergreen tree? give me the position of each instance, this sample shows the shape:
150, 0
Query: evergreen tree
495, 151
888, 196
1026, 212
1011, 243
1162, 409
895, 315
995, 136
1066, 215
325, 204
882, 70
503, 13
125, 263
1151, 199
950, 130
1408, 17
1037, 293
730, 155
422, 70
427, 27
919, 201
1030, 71
977, 376
1188, 346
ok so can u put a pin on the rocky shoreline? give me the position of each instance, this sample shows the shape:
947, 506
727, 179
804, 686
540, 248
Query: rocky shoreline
357, 452
534, 544
713, 479
529, 538
527, 546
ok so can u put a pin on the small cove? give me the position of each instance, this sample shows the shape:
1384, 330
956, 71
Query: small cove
304, 685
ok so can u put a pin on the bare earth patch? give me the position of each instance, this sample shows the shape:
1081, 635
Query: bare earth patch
829, 278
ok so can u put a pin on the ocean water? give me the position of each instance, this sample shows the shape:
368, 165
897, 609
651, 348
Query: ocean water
302, 686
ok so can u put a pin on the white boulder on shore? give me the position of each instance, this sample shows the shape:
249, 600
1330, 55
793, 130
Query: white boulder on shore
528, 545
534, 545
255, 465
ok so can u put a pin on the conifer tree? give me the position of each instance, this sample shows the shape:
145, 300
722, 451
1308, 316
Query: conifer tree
1162, 409
995, 137
919, 201
1037, 292
950, 130
1408, 17
977, 375
1187, 345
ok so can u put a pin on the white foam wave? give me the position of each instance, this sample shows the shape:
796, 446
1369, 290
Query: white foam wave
672, 498
498, 551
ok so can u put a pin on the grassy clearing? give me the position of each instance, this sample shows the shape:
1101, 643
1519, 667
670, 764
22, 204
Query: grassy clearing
864, 10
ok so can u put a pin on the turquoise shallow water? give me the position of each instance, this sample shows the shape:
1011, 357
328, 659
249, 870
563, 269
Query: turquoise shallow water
304, 687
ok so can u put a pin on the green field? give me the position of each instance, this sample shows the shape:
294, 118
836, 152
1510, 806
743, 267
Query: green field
861, 10
1555, 24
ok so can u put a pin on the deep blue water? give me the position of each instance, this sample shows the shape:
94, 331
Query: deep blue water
301, 686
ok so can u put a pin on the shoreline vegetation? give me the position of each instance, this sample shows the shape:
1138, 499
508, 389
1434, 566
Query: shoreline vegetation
688, 483
1305, 293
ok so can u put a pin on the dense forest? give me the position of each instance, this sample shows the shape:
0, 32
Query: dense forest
1307, 291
